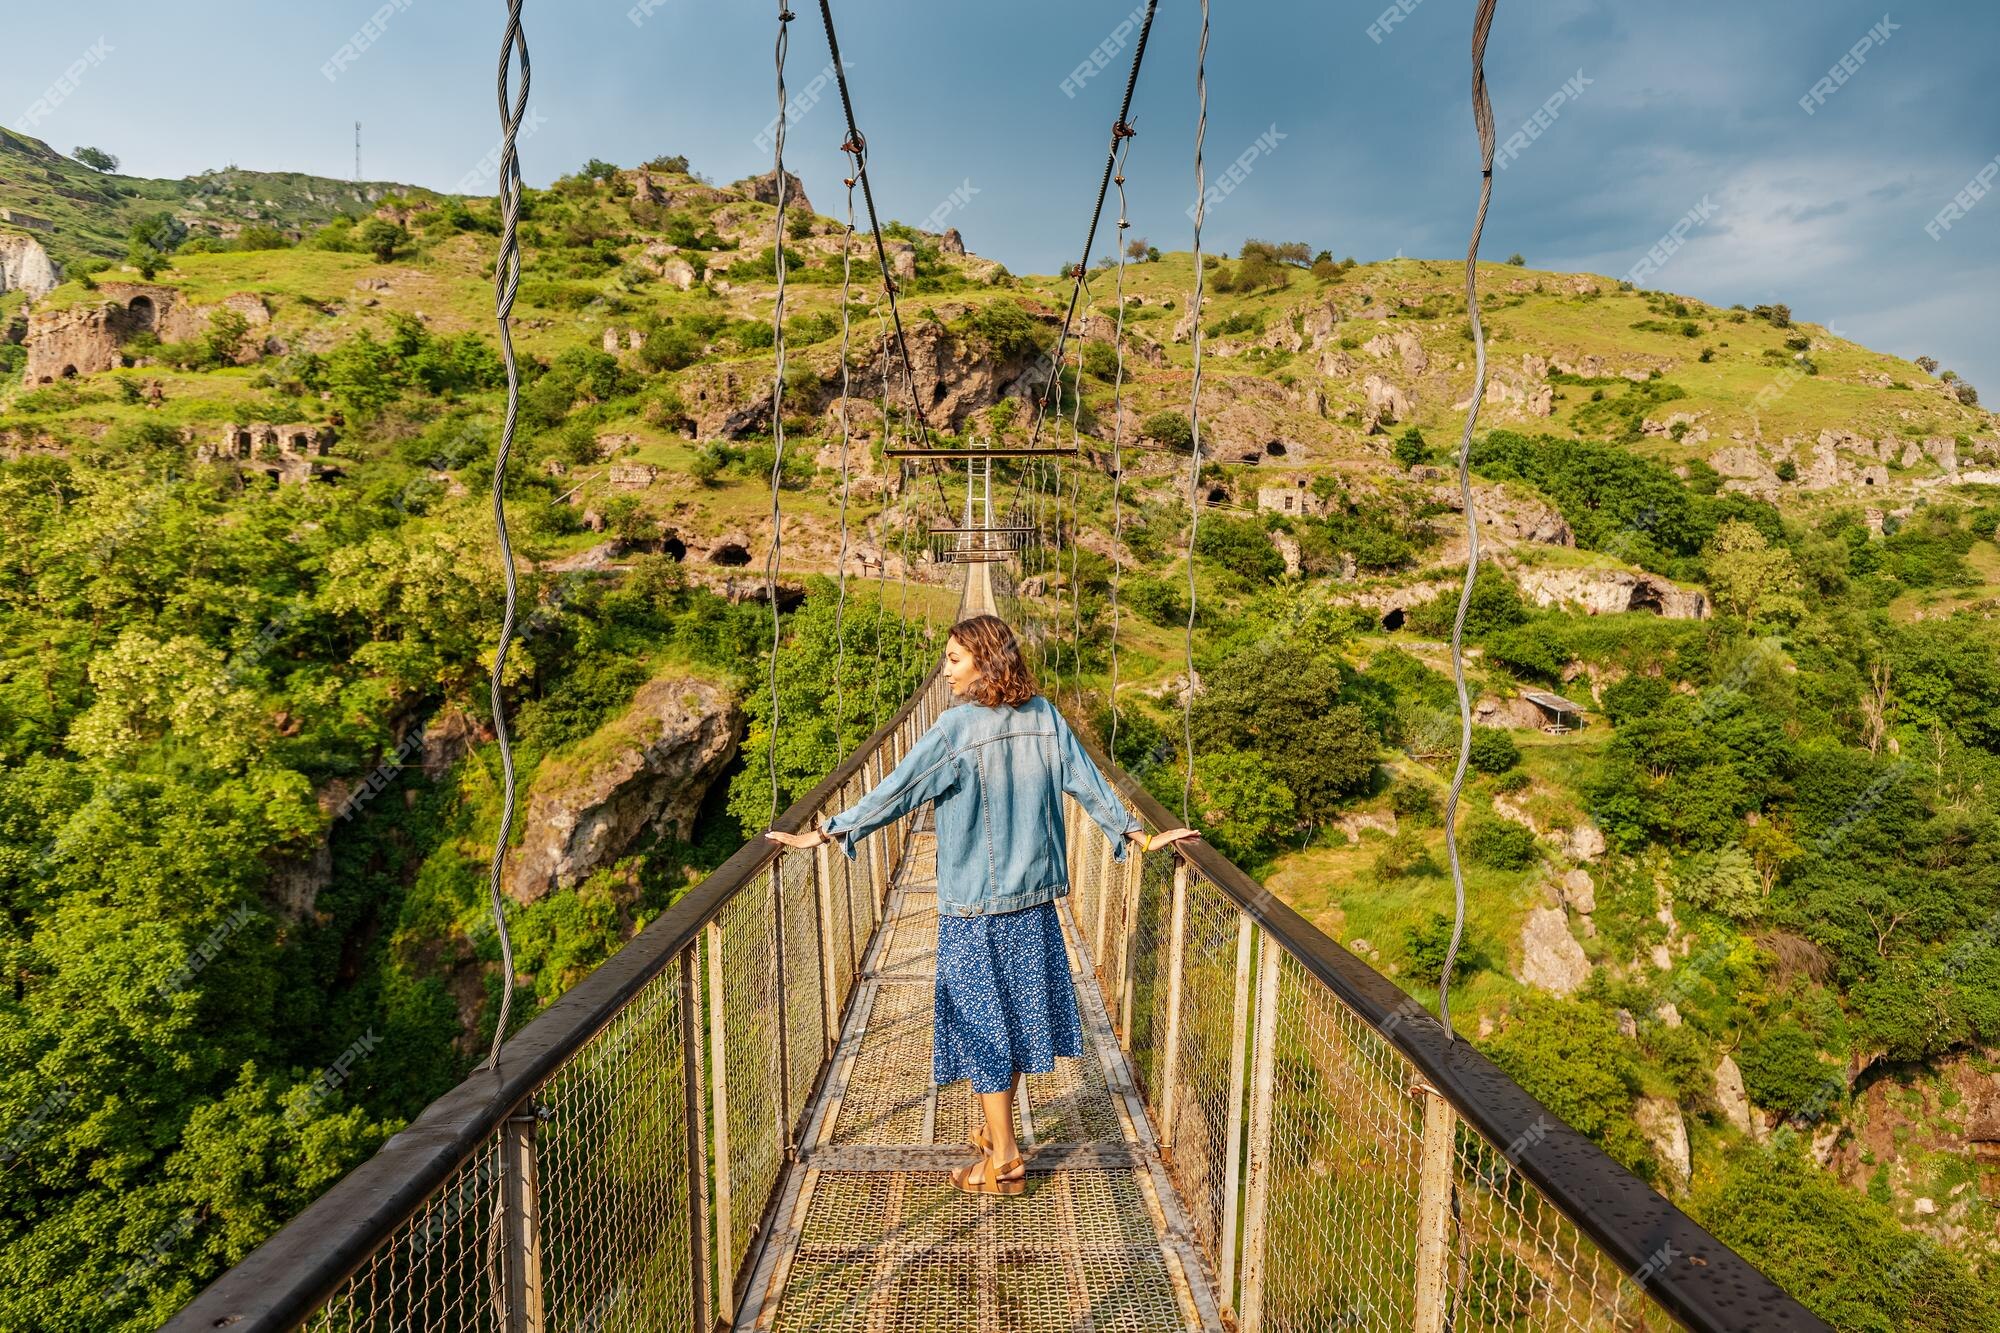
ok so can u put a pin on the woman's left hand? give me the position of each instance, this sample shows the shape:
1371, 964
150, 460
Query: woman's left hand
810, 838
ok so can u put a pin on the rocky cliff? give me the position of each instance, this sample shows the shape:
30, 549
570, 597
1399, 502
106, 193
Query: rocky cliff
647, 771
25, 266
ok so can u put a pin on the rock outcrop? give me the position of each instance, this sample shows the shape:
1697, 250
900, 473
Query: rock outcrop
764, 189
25, 266
649, 771
1551, 957
1386, 402
1665, 1130
1609, 591
1734, 1100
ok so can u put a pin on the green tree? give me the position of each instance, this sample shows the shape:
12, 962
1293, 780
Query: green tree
1749, 577
1570, 1057
1843, 1255
1241, 546
1493, 750
1171, 429
1411, 449
1500, 843
1285, 703
382, 238
1242, 805
96, 159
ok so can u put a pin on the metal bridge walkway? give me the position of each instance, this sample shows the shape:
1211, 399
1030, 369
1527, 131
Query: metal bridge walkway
872, 1236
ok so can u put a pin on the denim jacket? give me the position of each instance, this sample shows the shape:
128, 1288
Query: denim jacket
997, 776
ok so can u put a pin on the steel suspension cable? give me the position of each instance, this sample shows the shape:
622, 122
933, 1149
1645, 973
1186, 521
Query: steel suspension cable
506, 285
1194, 415
840, 602
1482, 119
857, 146
1121, 130
773, 560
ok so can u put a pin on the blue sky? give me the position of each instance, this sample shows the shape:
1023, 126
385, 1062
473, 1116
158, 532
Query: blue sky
1693, 106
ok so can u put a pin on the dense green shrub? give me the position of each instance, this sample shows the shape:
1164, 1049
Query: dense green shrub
1500, 843
1493, 750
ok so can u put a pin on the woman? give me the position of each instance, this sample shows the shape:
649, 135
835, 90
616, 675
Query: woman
997, 768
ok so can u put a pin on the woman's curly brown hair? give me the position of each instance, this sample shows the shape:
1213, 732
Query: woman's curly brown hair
1003, 675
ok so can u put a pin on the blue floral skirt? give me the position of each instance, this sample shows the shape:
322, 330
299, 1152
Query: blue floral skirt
1005, 1001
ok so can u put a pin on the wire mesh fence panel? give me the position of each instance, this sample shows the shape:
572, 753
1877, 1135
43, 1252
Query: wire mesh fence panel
749, 1005
1514, 1261
1198, 1134
1345, 1138
439, 1270
805, 1018
611, 1161
1086, 885
1148, 973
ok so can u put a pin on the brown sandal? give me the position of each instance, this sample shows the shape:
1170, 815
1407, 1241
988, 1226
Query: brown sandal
962, 1177
981, 1142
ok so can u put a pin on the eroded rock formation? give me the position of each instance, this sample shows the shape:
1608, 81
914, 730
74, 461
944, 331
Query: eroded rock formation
648, 770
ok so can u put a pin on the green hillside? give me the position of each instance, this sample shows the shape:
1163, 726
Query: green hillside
1738, 926
77, 212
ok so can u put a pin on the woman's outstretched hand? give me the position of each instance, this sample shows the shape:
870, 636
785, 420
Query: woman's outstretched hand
810, 838
1159, 840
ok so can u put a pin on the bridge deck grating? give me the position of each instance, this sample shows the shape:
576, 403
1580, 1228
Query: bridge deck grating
871, 1236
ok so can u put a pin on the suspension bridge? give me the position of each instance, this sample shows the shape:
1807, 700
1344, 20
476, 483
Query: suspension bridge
731, 1125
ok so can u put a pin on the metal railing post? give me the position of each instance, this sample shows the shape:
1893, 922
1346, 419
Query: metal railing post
786, 1146
521, 1220
1135, 878
718, 1046
1176, 964
1239, 1065
829, 989
696, 1109
1434, 1209
1257, 1200
878, 868
1097, 958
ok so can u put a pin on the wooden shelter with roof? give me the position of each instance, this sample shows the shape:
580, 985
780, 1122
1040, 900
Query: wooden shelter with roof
1559, 715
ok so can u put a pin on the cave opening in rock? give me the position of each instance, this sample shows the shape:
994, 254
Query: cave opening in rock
1276, 448
69, 372
1392, 619
141, 311
1646, 597
1218, 496
1251, 458
729, 553
673, 547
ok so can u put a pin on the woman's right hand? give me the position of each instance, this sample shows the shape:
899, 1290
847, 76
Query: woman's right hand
810, 838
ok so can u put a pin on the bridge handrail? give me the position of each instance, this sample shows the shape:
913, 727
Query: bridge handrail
1686, 1271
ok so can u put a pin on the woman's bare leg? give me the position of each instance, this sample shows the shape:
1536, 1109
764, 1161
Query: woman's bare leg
999, 1110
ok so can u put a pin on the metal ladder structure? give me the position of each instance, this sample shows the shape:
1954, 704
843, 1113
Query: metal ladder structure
730, 1125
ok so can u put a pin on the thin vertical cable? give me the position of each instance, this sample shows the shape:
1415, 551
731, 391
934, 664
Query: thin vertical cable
1482, 119
882, 567
506, 285
1118, 453
1194, 415
774, 560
